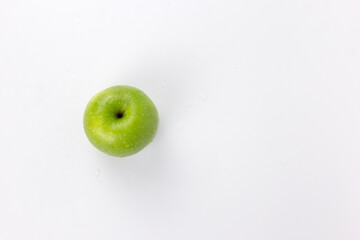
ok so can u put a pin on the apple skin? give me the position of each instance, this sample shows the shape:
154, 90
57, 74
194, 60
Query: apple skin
120, 120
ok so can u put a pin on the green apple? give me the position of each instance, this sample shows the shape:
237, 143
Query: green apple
120, 120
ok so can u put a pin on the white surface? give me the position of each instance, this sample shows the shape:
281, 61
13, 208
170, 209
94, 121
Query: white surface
260, 119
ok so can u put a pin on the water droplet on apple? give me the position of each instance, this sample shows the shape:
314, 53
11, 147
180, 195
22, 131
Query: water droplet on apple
96, 172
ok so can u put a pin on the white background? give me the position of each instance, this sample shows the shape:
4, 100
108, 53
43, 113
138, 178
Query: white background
260, 119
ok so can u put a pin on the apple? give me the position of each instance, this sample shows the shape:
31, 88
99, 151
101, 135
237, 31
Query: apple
120, 120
